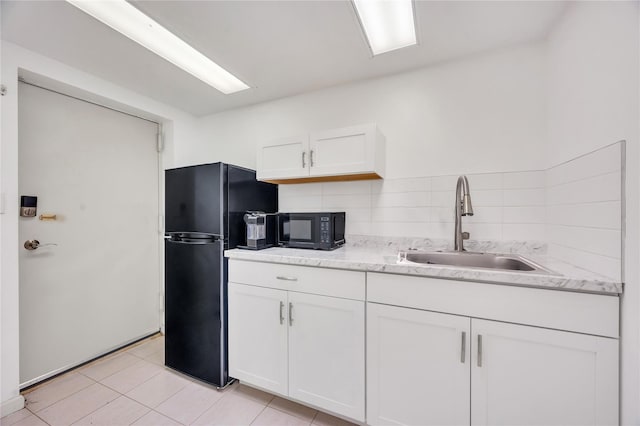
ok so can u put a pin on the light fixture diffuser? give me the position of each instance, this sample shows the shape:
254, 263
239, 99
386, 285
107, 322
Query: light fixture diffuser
131, 22
387, 24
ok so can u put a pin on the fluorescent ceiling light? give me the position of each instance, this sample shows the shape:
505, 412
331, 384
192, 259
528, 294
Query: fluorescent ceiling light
131, 22
388, 24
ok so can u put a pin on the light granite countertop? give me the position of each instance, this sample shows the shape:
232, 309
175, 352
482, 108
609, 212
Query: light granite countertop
379, 256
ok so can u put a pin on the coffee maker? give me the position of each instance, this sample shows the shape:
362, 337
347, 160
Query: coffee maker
261, 230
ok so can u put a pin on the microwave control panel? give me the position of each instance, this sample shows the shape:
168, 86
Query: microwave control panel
324, 229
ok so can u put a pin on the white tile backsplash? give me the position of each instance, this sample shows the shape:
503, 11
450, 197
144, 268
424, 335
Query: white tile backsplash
584, 211
605, 242
401, 199
604, 215
603, 161
300, 189
402, 185
524, 197
484, 197
524, 180
444, 183
443, 198
487, 181
599, 188
337, 202
347, 188
575, 206
529, 214
401, 214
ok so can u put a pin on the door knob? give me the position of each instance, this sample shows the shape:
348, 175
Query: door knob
34, 244
31, 244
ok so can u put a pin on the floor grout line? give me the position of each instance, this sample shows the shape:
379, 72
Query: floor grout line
270, 398
68, 396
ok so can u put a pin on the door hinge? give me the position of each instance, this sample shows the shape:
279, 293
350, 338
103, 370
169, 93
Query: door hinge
160, 142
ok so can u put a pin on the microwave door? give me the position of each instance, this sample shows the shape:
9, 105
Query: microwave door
298, 230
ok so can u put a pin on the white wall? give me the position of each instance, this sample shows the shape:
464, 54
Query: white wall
482, 114
593, 91
180, 128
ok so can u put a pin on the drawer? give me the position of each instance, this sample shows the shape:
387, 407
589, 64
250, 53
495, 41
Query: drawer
563, 310
303, 279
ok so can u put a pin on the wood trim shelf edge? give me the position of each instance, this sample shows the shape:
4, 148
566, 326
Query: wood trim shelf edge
362, 176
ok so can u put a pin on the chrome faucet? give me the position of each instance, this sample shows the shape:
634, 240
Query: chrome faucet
463, 208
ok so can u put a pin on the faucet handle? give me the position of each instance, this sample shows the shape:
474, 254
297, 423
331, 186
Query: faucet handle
465, 235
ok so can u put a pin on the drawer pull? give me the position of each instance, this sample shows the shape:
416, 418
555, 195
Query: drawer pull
283, 278
290, 314
281, 312
304, 165
463, 351
479, 350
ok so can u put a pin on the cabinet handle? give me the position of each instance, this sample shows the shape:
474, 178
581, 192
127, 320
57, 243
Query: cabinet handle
283, 278
311, 158
303, 162
463, 352
281, 312
479, 350
290, 313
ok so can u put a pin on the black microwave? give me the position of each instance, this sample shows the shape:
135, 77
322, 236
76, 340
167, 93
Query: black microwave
320, 231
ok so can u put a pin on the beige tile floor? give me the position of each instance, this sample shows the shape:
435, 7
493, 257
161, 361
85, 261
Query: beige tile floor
132, 387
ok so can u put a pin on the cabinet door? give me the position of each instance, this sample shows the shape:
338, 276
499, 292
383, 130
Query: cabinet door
418, 367
258, 336
284, 159
343, 151
326, 353
532, 376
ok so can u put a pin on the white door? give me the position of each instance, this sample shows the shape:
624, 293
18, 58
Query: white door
532, 376
349, 150
284, 159
258, 324
326, 353
98, 288
417, 367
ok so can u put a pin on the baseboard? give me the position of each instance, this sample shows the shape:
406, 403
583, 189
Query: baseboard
12, 405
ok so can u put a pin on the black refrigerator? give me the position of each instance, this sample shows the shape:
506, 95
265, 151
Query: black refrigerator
204, 215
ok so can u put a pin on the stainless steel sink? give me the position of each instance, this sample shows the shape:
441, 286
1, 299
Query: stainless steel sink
472, 260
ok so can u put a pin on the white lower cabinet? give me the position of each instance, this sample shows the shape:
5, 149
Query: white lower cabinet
304, 346
326, 353
511, 374
538, 357
258, 336
417, 367
533, 376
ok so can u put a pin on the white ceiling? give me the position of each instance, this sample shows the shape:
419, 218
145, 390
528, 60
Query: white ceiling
279, 48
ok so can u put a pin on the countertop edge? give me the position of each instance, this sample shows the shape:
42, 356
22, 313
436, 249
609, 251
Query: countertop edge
542, 281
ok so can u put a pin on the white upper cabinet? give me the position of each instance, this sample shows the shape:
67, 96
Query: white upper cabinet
351, 153
284, 159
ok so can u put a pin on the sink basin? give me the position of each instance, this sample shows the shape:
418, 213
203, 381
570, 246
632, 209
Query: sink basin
472, 260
